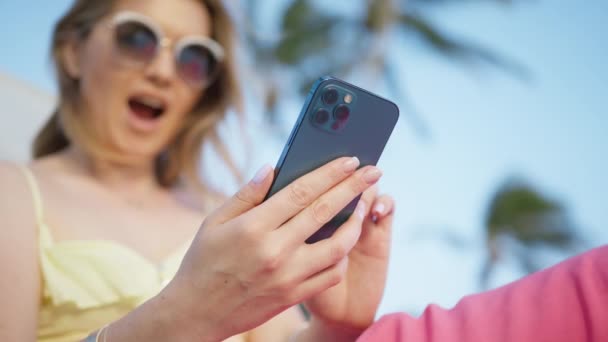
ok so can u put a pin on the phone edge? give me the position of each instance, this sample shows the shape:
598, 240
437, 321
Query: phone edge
296, 127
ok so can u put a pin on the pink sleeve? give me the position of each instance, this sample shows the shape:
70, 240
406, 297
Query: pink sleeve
567, 302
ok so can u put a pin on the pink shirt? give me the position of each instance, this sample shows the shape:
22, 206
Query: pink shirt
565, 303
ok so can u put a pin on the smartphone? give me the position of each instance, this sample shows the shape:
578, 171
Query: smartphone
338, 119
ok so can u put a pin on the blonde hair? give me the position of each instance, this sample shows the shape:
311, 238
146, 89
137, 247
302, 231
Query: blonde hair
180, 161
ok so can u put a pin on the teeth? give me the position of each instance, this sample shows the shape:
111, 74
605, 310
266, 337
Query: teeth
151, 102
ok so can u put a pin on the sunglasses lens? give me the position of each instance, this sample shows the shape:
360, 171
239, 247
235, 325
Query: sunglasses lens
197, 64
136, 41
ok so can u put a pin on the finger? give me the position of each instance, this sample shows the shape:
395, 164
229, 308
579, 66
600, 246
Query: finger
375, 239
378, 224
310, 259
369, 197
326, 207
321, 281
299, 194
382, 229
249, 196
382, 206
385, 222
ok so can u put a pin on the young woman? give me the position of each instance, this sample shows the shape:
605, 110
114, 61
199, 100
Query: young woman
109, 233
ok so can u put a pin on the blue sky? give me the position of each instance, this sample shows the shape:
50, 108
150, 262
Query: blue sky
485, 126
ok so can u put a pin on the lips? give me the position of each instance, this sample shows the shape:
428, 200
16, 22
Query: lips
147, 108
146, 111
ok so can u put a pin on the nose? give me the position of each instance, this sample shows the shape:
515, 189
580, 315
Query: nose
161, 70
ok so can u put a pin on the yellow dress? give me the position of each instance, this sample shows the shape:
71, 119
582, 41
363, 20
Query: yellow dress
89, 283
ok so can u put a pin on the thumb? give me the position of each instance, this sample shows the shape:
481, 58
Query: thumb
249, 196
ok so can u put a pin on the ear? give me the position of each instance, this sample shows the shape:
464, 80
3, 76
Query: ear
70, 55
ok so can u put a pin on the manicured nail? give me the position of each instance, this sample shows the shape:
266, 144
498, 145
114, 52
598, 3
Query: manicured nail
379, 208
361, 210
262, 174
372, 175
351, 164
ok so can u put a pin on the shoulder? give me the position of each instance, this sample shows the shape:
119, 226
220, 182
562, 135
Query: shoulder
16, 197
20, 282
17, 187
9, 170
20, 198
13, 183
18, 232
18, 216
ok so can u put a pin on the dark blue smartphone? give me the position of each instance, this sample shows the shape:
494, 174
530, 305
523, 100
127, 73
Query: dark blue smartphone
338, 119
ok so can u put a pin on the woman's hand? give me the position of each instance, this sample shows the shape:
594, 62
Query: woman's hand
342, 312
249, 260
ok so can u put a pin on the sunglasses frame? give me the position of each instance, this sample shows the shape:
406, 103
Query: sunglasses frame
178, 46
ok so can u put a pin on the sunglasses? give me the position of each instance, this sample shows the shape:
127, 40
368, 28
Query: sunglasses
138, 41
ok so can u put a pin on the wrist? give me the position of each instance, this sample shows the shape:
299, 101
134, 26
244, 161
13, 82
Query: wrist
157, 319
182, 317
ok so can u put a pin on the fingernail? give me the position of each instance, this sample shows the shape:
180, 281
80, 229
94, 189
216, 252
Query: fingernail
351, 164
379, 208
361, 210
372, 175
262, 174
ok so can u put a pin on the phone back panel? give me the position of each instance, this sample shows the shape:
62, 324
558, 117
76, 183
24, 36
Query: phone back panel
313, 143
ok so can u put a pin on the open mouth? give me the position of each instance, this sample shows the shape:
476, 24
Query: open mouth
146, 108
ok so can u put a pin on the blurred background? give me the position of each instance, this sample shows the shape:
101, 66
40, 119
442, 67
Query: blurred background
499, 163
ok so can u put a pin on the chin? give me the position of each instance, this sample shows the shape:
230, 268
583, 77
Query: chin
139, 149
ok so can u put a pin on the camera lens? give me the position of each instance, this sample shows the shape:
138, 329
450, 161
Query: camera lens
321, 116
330, 96
341, 113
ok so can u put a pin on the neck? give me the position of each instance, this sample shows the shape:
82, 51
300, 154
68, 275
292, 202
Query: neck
135, 177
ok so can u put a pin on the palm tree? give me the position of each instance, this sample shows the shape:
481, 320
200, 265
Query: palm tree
519, 222
314, 42
520, 213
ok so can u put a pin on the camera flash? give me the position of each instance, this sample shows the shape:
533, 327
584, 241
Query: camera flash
348, 98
